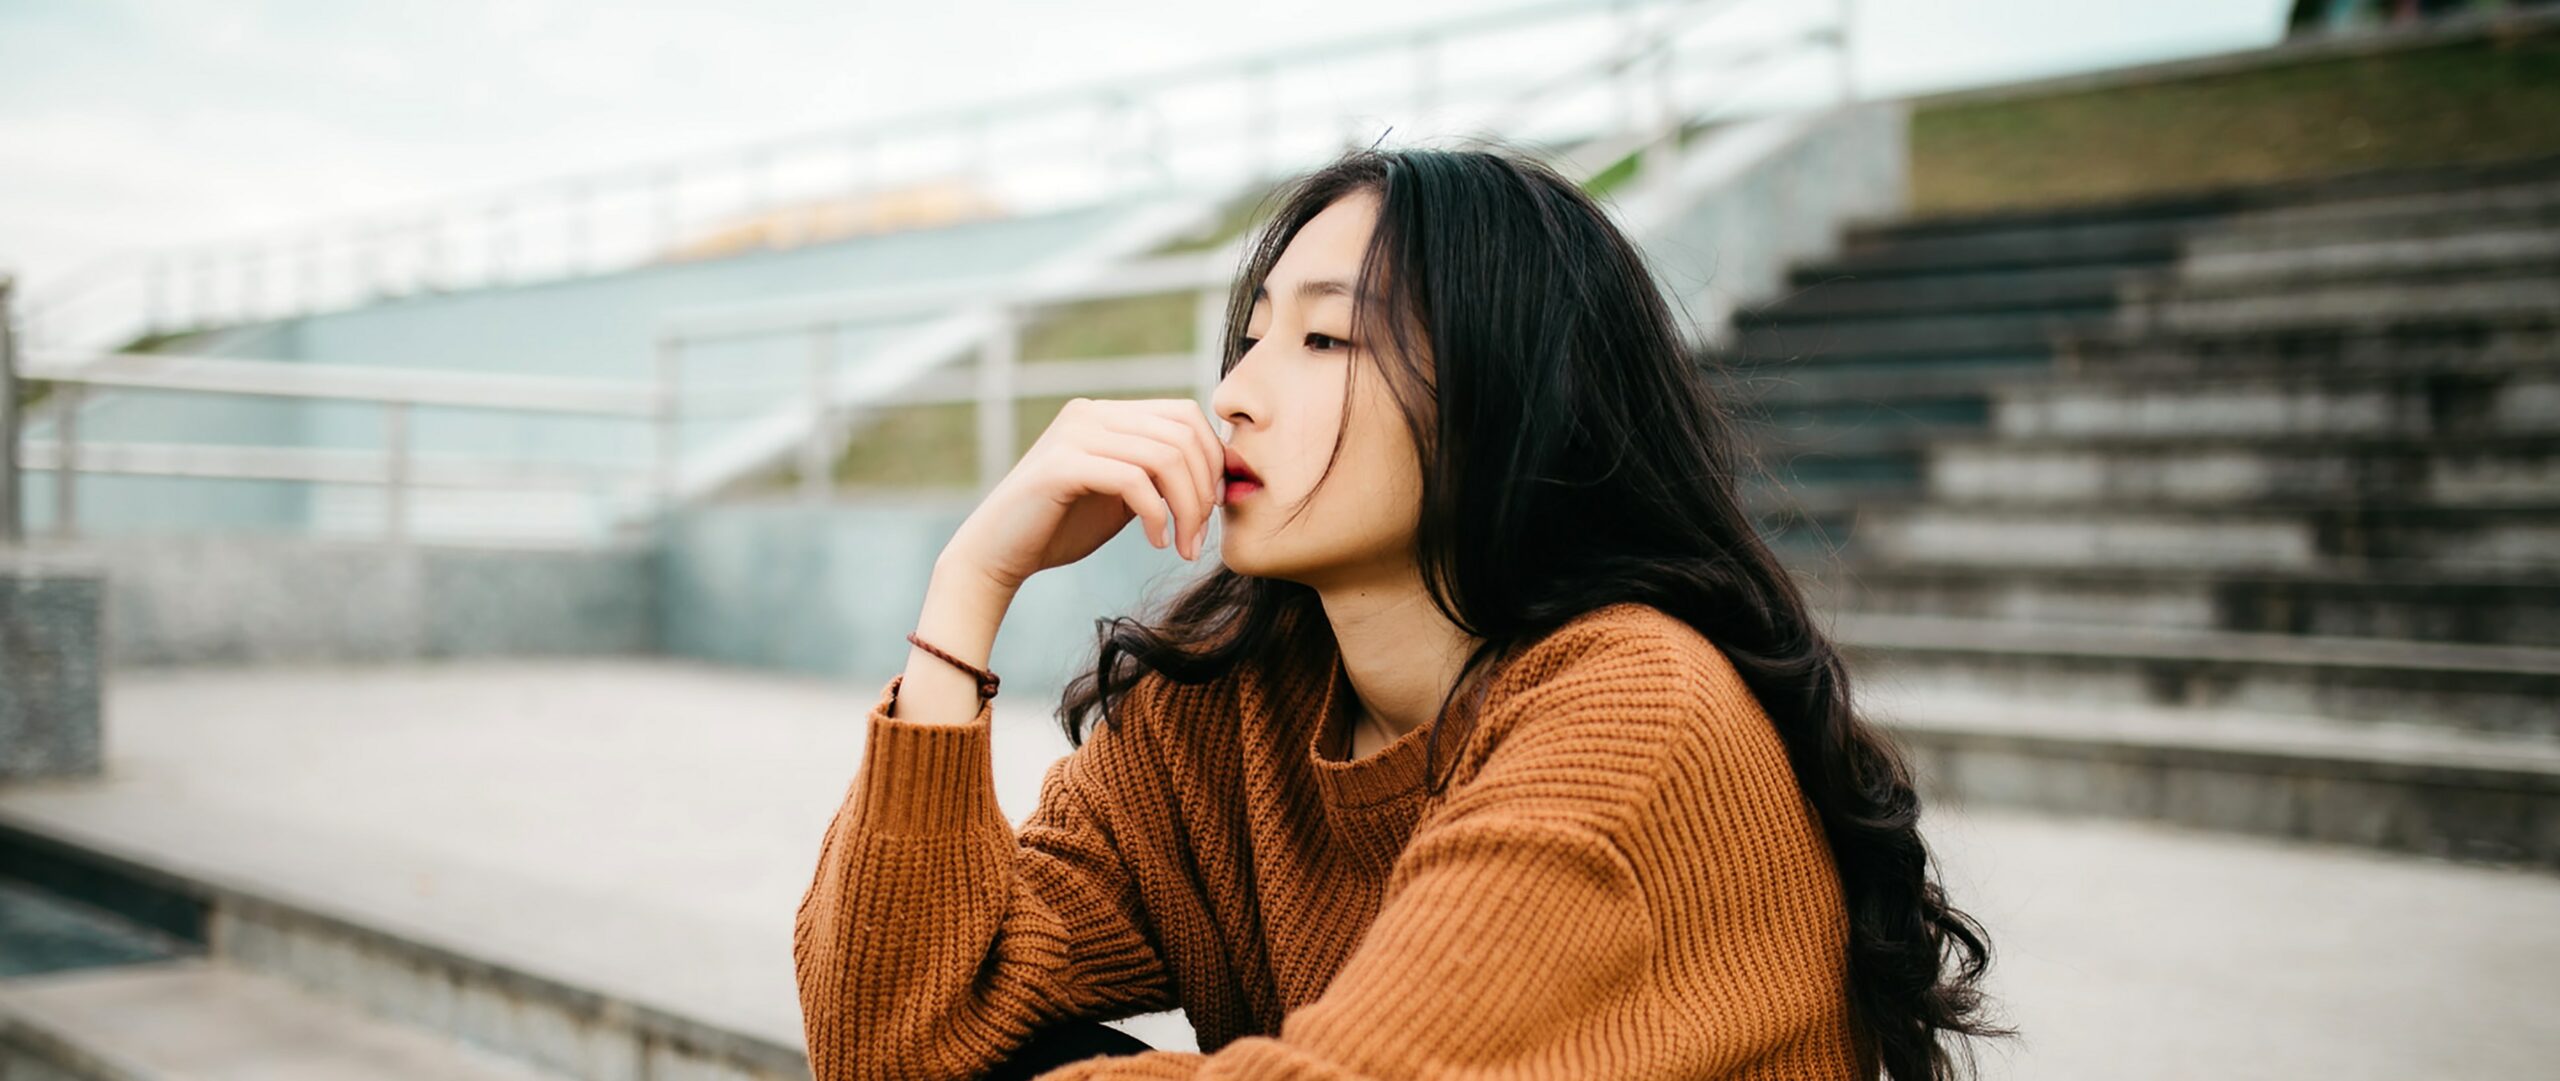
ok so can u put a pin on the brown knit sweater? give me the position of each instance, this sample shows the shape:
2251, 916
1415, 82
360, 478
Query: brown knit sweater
1619, 879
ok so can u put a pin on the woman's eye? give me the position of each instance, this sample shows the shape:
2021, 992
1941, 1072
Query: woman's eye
1312, 339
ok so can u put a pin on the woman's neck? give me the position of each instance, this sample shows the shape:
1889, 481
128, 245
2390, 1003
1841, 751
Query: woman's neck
1400, 653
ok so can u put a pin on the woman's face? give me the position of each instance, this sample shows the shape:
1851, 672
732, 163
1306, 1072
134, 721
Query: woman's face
1284, 398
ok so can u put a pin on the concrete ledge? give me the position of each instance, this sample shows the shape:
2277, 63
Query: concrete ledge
178, 1020
2173, 598
2302, 538
2358, 686
216, 599
2480, 470
2481, 803
539, 1020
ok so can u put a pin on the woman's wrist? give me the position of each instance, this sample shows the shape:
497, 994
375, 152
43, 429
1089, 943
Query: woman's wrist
963, 609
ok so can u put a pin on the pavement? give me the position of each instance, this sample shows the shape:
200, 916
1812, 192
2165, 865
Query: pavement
645, 827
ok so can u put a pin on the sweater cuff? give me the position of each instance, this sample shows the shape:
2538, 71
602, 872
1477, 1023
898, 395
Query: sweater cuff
926, 779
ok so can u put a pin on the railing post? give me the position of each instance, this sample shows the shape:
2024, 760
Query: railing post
395, 514
817, 452
66, 465
996, 359
12, 527
670, 422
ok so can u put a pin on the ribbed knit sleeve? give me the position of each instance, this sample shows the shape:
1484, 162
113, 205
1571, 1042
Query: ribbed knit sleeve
1622, 888
934, 937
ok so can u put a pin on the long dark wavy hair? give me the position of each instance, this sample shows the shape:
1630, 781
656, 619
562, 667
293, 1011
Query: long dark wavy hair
1564, 425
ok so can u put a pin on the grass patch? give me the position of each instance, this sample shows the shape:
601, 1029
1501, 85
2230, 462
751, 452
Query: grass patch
935, 446
927, 447
2480, 100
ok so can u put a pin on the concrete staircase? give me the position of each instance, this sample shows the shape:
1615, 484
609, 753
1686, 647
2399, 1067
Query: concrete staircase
2239, 510
88, 993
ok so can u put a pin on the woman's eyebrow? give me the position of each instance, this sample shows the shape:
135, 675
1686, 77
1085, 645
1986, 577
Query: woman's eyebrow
1310, 290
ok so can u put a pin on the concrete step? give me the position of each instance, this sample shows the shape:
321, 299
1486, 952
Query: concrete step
2232, 265
1813, 385
2430, 213
2337, 538
2519, 341
2452, 470
2368, 306
346, 952
1967, 338
2355, 191
43, 932
193, 1020
2514, 400
1781, 441
2414, 607
2460, 796
2514, 690
1846, 296
2054, 246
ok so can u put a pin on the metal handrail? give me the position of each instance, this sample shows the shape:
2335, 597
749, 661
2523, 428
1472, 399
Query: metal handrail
494, 237
1001, 304
994, 383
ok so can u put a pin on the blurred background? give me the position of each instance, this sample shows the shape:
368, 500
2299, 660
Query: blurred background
465, 469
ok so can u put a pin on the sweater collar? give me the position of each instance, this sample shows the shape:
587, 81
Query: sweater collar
1394, 770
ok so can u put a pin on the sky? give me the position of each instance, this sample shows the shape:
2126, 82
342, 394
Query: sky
133, 124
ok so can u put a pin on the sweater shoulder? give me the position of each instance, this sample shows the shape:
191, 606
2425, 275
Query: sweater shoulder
1617, 710
1626, 654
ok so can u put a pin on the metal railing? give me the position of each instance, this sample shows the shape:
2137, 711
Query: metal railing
639, 490
995, 375
396, 468
830, 397
1217, 124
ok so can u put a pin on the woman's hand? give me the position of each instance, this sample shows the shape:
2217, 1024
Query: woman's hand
1102, 462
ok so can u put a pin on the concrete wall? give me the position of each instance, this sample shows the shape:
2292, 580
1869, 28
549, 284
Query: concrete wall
827, 590
834, 589
597, 327
259, 600
1760, 198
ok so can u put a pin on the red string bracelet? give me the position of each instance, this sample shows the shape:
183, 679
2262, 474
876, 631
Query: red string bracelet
986, 679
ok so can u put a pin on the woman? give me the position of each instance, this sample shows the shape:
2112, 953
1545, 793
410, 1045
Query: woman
1498, 746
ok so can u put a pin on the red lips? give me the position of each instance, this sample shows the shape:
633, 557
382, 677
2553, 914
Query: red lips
1238, 470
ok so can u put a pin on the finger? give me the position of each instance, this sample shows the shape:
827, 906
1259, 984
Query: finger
1129, 481
1174, 433
1196, 417
1171, 471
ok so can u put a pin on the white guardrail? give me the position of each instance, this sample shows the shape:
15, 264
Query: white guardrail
1649, 41
1218, 124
